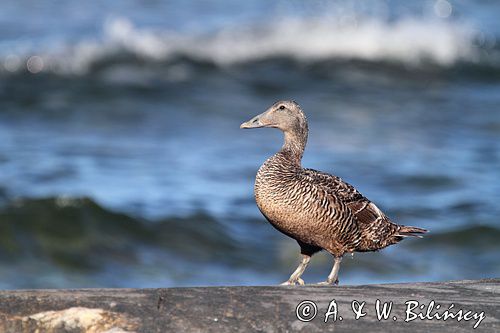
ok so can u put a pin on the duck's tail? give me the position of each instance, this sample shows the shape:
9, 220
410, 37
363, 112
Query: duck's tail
408, 231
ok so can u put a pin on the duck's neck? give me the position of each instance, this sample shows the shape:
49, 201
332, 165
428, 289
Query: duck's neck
294, 145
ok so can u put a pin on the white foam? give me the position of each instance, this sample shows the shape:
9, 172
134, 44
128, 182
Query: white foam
409, 41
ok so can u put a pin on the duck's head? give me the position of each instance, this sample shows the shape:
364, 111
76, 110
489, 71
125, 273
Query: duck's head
288, 117
285, 115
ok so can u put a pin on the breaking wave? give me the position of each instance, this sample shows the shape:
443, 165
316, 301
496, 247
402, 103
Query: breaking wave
79, 233
408, 41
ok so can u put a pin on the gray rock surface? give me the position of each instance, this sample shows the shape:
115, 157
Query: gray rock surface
255, 309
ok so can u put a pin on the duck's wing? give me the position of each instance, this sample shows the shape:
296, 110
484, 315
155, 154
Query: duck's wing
375, 225
366, 212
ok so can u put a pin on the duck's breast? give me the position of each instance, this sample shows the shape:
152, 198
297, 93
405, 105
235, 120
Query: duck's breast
294, 206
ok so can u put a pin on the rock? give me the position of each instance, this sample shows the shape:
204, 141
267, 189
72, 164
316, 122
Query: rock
418, 307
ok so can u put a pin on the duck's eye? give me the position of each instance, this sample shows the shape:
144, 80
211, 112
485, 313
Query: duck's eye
282, 107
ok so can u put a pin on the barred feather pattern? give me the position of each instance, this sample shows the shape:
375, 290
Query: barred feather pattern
320, 210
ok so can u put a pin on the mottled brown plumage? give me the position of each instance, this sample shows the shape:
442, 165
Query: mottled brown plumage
319, 210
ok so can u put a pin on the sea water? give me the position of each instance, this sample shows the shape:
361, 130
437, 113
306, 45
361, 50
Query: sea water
122, 163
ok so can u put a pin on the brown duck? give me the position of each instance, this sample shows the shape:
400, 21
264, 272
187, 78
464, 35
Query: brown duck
320, 211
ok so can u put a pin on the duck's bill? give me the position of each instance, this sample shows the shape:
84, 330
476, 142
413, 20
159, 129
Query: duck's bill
253, 123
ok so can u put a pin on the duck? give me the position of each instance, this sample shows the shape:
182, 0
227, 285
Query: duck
317, 209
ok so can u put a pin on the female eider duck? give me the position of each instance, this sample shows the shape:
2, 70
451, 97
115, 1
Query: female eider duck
320, 211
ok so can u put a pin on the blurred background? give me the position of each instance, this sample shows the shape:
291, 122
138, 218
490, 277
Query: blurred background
122, 163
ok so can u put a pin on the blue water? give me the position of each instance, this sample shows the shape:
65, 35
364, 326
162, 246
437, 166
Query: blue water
122, 163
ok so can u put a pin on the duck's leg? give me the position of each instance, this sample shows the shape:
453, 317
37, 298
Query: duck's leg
333, 277
295, 277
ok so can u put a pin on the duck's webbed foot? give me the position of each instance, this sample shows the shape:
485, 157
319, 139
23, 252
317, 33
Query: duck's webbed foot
295, 282
295, 277
333, 277
328, 283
